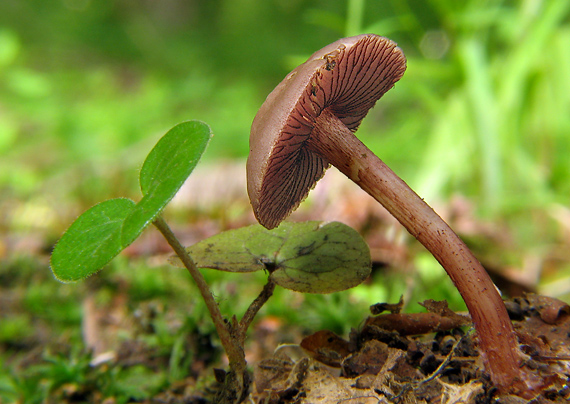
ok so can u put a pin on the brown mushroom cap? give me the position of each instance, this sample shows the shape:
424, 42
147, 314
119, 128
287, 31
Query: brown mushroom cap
347, 77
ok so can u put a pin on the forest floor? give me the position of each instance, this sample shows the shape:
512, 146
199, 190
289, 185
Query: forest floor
118, 338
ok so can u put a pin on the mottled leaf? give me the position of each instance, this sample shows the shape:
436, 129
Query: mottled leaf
330, 258
311, 257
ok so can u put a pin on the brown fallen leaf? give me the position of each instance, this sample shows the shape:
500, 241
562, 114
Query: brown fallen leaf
550, 309
368, 360
326, 347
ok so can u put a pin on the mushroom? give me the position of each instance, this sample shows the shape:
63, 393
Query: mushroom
307, 124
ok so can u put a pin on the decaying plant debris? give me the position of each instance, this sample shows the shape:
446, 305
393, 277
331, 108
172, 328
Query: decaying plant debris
380, 365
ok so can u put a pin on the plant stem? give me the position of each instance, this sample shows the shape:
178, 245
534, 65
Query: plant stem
499, 346
231, 345
254, 308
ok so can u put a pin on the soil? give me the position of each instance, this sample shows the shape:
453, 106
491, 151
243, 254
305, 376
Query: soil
386, 362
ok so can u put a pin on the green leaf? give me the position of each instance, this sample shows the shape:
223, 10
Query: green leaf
91, 241
164, 171
331, 258
311, 257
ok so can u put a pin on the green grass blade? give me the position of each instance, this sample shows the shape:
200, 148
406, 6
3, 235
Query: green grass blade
483, 105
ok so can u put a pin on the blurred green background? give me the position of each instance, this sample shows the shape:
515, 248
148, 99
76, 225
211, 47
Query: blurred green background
483, 111
88, 87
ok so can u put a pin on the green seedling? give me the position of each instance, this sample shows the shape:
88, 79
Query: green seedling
107, 228
311, 257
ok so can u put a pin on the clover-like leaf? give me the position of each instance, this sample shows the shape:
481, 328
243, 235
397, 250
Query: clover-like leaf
311, 257
164, 171
91, 241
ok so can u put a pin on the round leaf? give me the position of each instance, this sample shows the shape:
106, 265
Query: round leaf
164, 171
91, 241
306, 257
331, 258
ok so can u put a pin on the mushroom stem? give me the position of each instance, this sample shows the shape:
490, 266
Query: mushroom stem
502, 357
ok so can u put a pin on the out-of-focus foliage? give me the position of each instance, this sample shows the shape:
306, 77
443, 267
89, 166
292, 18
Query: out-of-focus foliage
86, 86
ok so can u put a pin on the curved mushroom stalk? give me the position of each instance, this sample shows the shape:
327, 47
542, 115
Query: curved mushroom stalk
497, 339
307, 123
